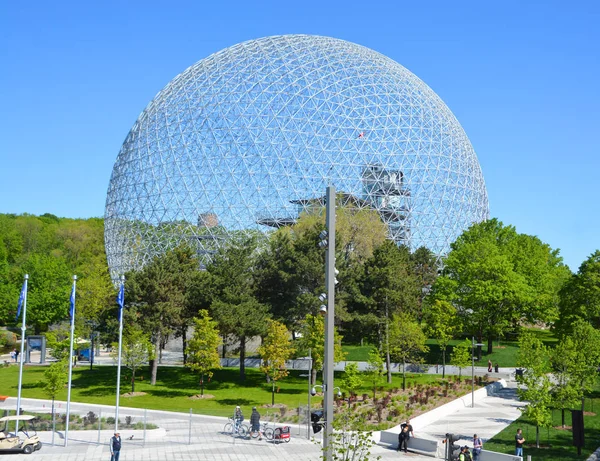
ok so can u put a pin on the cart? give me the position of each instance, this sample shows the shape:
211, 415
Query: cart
282, 434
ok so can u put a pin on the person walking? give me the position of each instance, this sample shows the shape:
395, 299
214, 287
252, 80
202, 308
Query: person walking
255, 422
238, 417
477, 446
13, 355
519, 441
115, 447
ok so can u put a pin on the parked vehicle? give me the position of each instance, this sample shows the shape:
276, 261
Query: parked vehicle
24, 440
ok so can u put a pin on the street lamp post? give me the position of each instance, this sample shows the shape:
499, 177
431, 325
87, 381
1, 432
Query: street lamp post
329, 319
473, 344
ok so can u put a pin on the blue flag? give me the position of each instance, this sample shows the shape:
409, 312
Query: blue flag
72, 304
21, 299
121, 298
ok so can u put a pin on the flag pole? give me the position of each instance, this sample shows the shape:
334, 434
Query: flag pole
22, 302
72, 315
121, 302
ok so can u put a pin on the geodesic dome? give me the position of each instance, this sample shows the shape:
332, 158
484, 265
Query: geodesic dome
249, 137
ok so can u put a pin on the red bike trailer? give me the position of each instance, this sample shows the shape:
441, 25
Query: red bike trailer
282, 433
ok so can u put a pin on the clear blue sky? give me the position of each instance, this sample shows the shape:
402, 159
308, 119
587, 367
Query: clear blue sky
521, 77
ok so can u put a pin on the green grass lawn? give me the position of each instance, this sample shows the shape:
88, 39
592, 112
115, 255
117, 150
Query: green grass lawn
175, 385
357, 353
555, 444
504, 351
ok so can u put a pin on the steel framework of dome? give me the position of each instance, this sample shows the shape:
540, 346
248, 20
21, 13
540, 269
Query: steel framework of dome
249, 137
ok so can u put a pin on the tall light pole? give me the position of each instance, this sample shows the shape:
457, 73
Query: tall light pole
329, 319
473, 344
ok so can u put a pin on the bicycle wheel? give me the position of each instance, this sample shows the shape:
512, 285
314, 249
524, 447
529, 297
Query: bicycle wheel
228, 428
268, 433
254, 434
242, 430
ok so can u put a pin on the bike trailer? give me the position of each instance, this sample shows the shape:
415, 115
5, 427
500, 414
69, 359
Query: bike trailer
282, 434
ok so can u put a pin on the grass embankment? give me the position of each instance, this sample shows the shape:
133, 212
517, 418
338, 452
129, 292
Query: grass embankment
556, 443
175, 386
504, 351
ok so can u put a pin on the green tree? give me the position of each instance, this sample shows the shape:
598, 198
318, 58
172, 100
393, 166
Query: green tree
441, 323
374, 371
580, 296
345, 442
55, 381
58, 341
48, 291
275, 350
408, 342
312, 336
565, 391
461, 356
203, 347
388, 288
583, 371
490, 279
535, 381
234, 304
136, 349
158, 293
352, 378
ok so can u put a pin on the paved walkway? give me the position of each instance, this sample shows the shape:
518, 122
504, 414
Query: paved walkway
203, 439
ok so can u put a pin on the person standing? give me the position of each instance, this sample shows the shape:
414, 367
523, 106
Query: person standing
477, 446
489, 366
407, 431
403, 438
465, 454
519, 441
255, 422
13, 355
115, 447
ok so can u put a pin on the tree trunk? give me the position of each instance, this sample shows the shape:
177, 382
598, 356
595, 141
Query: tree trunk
242, 358
184, 343
387, 344
202, 384
388, 364
273, 394
224, 348
155, 361
563, 417
403, 375
313, 376
537, 436
132, 381
490, 344
443, 363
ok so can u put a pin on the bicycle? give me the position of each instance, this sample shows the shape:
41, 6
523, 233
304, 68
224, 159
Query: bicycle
236, 428
266, 431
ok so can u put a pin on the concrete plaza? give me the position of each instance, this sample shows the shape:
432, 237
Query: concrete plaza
197, 437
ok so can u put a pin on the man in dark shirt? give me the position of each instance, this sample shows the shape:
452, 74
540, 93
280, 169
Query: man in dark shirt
255, 423
115, 447
519, 441
406, 432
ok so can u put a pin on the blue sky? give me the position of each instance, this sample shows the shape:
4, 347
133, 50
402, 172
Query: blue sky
521, 77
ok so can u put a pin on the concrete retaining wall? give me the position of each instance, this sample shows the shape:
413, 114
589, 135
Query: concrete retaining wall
434, 447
